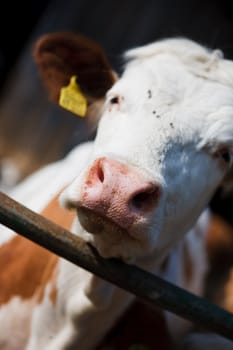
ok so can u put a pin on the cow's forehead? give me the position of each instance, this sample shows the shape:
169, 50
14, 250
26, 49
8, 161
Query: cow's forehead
154, 74
168, 81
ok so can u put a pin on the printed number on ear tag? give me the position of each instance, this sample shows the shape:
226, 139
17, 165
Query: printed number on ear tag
72, 98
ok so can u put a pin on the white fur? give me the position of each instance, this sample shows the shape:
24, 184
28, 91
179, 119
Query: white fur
15, 319
192, 93
9, 174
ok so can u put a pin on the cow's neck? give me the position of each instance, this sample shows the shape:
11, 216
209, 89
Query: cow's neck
90, 301
94, 302
94, 296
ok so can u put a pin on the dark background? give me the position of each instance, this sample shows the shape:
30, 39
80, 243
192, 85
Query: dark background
117, 24
33, 132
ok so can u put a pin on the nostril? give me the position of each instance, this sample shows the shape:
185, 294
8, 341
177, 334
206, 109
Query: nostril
95, 175
145, 200
100, 173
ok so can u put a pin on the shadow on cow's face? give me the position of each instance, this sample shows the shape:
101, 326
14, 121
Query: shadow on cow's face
161, 150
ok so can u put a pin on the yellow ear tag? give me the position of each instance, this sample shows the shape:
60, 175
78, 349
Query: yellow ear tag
72, 98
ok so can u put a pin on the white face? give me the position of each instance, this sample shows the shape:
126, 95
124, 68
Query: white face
164, 127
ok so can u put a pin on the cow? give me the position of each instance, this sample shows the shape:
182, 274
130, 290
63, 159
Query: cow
139, 192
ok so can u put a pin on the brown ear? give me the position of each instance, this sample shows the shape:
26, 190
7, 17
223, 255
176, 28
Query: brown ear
64, 54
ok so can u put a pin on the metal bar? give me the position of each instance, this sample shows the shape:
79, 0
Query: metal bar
144, 285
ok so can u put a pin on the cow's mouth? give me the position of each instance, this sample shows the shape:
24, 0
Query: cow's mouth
111, 240
97, 224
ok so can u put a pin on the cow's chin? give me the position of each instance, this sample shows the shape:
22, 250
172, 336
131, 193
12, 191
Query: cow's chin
110, 240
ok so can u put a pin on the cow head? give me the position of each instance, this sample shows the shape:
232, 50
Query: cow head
164, 141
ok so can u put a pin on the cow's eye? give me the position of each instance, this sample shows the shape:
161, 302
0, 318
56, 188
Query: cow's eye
225, 156
114, 100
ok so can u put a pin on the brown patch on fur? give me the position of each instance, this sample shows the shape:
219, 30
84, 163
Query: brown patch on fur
53, 293
219, 281
22, 266
26, 267
64, 54
57, 214
187, 264
227, 302
220, 242
49, 276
